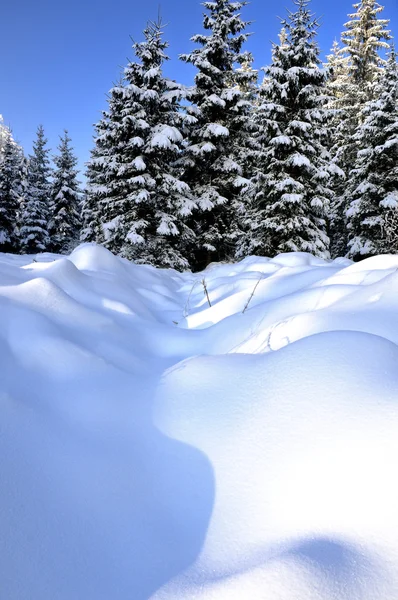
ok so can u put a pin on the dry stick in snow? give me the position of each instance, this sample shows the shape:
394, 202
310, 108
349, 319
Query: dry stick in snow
206, 292
251, 296
186, 307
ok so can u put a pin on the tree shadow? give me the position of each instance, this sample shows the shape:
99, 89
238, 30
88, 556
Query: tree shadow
91, 508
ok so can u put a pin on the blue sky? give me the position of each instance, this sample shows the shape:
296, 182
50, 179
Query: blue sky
59, 58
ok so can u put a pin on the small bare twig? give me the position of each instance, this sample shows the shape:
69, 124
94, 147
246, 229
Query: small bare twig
251, 295
206, 292
186, 307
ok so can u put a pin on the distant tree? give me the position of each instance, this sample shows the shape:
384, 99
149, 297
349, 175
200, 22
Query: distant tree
64, 224
35, 214
5, 134
90, 225
354, 68
255, 192
11, 193
373, 187
336, 92
364, 36
291, 188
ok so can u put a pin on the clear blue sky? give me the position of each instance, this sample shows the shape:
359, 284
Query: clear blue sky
60, 57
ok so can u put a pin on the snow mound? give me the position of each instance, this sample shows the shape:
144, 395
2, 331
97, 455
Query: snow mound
91, 257
303, 447
223, 435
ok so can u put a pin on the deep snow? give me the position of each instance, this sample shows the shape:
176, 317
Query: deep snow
154, 447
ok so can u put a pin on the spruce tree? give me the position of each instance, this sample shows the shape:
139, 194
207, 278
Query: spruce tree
364, 36
142, 203
290, 190
4, 136
64, 223
246, 156
374, 180
90, 216
355, 70
34, 235
247, 243
11, 194
338, 84
247, 83
103, 200
220, 129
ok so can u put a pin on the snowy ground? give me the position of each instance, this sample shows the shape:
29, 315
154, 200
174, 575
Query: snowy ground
154, 447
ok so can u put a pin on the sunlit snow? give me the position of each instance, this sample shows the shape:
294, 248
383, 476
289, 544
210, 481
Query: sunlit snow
155, 447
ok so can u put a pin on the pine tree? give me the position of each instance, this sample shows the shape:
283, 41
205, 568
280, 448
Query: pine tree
11, 194
104, 192
290, 190
374, 179
64, 223
35, 215
337, 93
246, 155
5, 133
357, 65
262, 134
364, 36
142, 202
90, 216
220, 130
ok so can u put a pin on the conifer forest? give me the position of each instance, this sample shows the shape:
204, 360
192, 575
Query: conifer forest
301, 156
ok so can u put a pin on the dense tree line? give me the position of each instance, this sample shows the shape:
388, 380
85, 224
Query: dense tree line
40, 205
304, 160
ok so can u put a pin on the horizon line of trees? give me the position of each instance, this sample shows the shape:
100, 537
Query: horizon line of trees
179, 177
40, 204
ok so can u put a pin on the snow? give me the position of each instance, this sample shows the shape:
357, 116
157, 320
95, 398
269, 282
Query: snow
155, 447
139, 163
217, 130
136, 142
164, 136
390, 201
109, 227
207, 147
152, 73
214, 99
299, 160
292, 198
281, 140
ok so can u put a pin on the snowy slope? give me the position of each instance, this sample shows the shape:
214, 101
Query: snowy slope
154, 447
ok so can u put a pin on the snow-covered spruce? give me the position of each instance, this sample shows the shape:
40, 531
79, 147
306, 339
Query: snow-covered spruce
5, 134
12, 186
290, 189
365, 34
220, 129
137, 204
102, 170
35, 213
64, 223
354, 68
337, 94
373, 188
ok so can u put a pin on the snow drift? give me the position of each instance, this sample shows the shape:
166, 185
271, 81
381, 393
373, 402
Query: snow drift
155, 447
